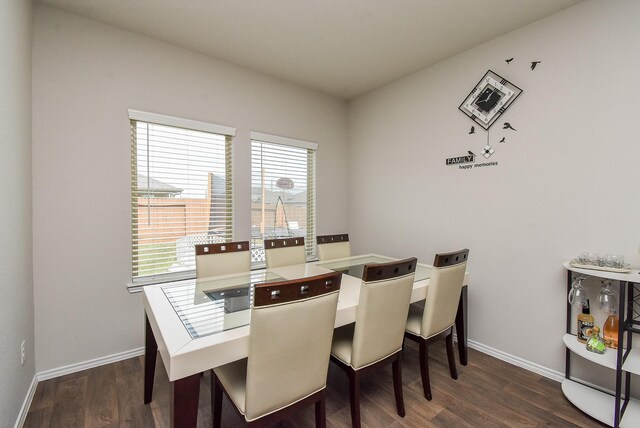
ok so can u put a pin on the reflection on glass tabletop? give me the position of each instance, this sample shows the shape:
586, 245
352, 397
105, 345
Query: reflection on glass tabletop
211, 305
355, 266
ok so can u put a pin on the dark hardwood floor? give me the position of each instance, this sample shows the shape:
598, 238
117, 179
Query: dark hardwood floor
488, 393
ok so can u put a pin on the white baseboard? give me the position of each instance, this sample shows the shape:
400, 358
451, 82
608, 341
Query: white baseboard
65, 370
22, 416
97, 362
517, 361
532, 367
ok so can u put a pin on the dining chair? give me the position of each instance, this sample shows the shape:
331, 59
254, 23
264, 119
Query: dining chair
284, 252
333, 246
375, 339
286, 368
222, 258
434, 319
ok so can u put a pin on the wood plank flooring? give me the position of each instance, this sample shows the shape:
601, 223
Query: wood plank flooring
488, 393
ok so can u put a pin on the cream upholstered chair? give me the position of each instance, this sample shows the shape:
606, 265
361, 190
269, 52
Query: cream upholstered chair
430, 322
286, 368
284, 252
375, 339
333, 246
222, 259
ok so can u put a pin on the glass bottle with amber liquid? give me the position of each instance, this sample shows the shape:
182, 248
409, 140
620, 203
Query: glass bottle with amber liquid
608, 302
610, 330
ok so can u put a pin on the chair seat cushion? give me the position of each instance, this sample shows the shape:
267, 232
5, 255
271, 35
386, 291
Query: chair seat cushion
342, 345
414, 319
233, 377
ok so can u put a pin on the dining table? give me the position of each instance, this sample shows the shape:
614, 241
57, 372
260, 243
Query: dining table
198, 324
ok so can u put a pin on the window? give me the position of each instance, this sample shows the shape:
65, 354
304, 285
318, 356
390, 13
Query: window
283, 195
180, 193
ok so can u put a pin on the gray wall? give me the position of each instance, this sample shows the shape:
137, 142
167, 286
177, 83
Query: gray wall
566, 180
86, 76
16, 287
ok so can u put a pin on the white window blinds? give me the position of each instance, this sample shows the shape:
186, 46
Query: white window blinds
283, 192
180, 193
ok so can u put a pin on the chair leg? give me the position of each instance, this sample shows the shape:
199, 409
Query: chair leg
321, 413
424, 369
216, 400
451, 357
354, 396
397, 386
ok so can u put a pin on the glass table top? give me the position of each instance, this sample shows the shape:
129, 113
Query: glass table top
211, 305
207, 306
355, 266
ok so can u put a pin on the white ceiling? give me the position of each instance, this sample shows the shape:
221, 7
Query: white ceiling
342, 47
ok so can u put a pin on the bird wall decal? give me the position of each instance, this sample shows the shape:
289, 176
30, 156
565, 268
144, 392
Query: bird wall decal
508, 61
502, 141
472, 130
534, 64
507, 125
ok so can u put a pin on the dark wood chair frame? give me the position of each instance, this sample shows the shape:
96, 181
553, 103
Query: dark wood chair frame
283, 242
441, 260
331, 239
221, 248
355, 377
276, 293
423, 346
378, 272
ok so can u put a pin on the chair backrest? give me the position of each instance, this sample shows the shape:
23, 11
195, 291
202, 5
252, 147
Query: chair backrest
382, 311
284, 252
443, 292
290, 342
333, 246
222, 259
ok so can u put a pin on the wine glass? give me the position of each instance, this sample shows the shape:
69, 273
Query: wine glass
608, 260
578, 295
607, 299
583, 258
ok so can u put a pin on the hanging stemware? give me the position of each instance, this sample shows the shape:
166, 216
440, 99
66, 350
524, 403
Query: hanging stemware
607, 299
578, 294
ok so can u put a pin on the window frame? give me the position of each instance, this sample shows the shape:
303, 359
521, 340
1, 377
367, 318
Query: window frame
312, 149
136, 116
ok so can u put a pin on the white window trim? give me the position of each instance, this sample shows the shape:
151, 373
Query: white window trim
276, 139
179, 122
